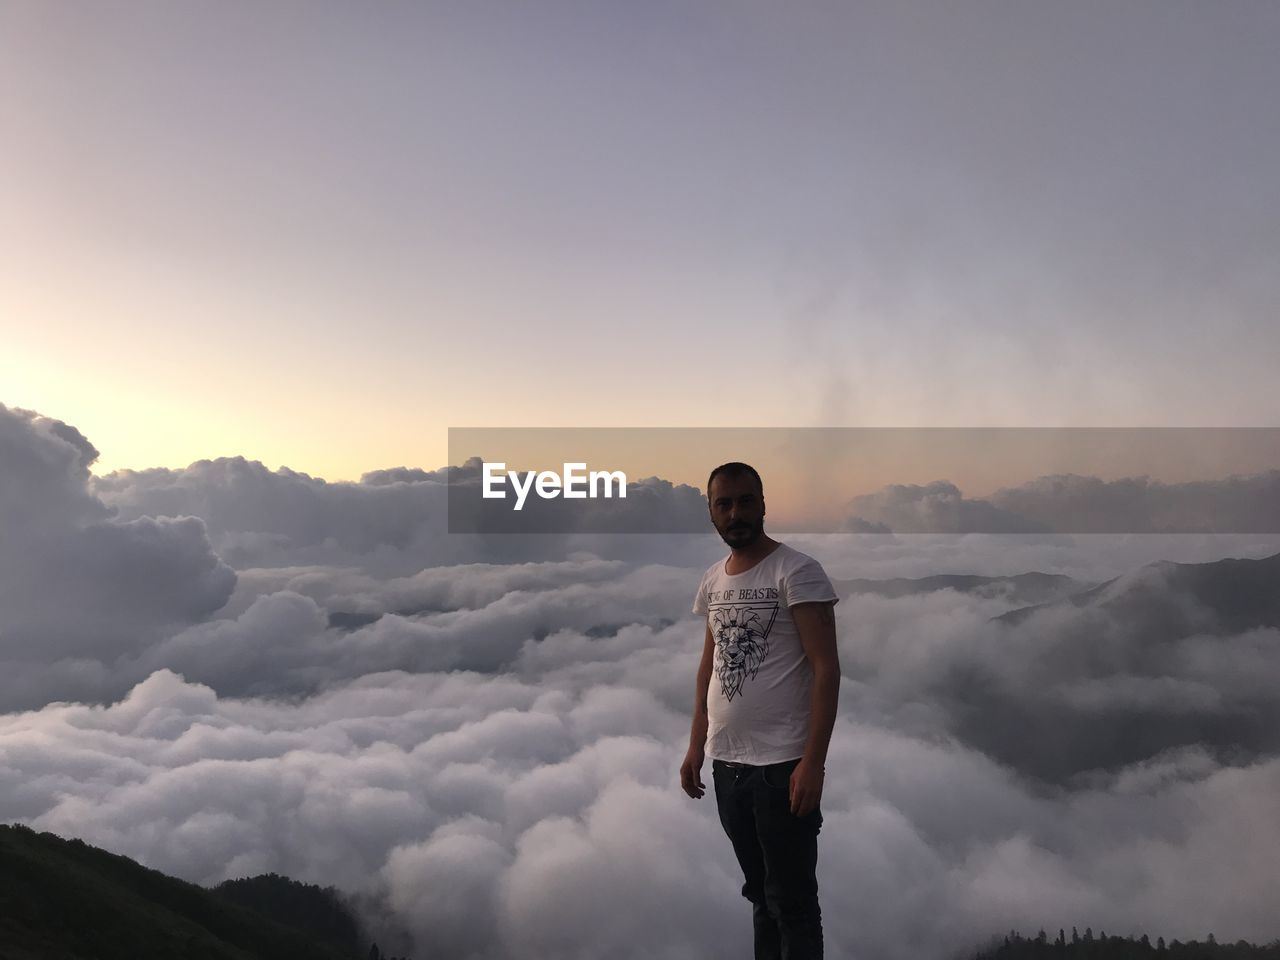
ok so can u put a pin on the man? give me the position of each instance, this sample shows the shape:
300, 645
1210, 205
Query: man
765, 719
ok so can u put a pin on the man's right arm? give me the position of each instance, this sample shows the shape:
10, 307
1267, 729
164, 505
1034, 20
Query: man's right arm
691, 769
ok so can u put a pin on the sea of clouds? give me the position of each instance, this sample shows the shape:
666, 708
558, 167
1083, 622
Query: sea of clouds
222, 671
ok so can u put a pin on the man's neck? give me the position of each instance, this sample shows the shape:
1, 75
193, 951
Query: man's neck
746, 558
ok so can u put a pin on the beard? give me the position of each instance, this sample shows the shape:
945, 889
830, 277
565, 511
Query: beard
742, 534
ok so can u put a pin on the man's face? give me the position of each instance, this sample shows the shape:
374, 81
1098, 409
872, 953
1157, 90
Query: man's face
737, 509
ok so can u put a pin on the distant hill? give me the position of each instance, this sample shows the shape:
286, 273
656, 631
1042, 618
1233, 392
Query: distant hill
1219, 597
1123, 671
1031, 588
66, 900
318, 912
1041, 947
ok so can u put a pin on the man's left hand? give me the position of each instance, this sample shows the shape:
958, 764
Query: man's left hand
806, 787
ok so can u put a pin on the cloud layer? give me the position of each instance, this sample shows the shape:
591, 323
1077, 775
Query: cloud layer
482, 749
501, 818
76, 577
1070, 503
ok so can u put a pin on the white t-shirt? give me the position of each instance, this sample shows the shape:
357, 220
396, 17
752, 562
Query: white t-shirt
758, 700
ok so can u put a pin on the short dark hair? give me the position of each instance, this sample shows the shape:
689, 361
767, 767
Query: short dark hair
734, 468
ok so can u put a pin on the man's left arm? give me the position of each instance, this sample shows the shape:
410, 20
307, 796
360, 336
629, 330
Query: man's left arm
816, 625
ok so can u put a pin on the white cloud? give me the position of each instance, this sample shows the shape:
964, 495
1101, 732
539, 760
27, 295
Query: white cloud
1074, 504
493, 823
485, 752
77, 582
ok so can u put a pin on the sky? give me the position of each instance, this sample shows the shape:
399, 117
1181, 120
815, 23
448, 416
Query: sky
318, 235
260, 260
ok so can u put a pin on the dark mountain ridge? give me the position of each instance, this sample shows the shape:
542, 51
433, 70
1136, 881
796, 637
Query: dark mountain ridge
1151, 661
1219, 597
67, 900
1031, 588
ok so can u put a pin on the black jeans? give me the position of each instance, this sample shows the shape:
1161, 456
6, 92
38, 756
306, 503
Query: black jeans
778, 853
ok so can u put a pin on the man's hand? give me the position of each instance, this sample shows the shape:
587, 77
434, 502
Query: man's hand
691, 772
806, 787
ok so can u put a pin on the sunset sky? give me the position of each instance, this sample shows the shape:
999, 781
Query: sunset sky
269, 246
319, 235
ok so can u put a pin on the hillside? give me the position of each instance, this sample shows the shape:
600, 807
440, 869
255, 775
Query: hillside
1220, 596
66, 900
1017, 947
1027, 588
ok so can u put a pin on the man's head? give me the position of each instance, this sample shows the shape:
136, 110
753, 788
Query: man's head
735, 500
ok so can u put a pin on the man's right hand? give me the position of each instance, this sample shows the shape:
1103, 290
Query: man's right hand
691, 772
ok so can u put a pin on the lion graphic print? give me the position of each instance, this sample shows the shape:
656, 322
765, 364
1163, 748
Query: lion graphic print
742, 638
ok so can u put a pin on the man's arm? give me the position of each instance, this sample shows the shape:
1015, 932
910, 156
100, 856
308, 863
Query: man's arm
816, 624
691, 769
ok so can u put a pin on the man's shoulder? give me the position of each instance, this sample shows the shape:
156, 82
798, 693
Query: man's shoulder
793, 559
805, 579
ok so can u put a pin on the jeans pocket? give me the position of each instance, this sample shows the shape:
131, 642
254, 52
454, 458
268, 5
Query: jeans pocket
778, 775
